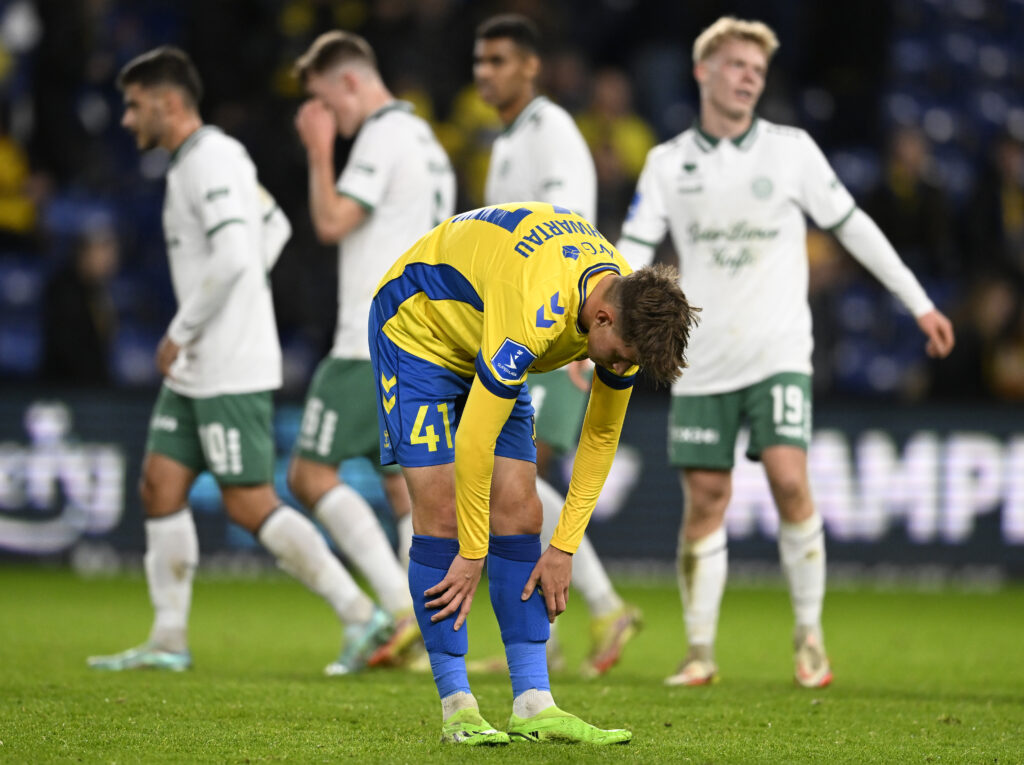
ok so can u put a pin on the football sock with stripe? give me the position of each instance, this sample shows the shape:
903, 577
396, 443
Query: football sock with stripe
702, 566
802, 553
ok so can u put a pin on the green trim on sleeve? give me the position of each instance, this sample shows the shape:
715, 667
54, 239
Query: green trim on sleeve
361, 202
639, 241
842, 220
270, 214
221, 225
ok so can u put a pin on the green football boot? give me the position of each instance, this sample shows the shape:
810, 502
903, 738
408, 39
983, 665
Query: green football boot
554, 725
467, 727
145, 656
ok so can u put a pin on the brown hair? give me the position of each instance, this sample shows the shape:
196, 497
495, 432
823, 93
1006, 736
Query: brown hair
655, 318
165, 65
333, 49
732, 28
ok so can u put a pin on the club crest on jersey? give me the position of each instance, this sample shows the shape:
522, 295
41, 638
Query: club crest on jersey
511, 360
762, 187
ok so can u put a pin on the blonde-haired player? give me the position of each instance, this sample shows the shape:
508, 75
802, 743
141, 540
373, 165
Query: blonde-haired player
733, 191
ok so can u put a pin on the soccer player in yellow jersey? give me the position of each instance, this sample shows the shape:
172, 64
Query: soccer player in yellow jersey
455, 327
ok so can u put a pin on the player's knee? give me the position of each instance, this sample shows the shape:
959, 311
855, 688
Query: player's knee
521, 513
297, 480
791, 494
157, 497
706, 496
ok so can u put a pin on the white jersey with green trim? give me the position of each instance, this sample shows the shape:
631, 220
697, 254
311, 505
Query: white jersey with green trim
735, 209
212, 185
401, 176
542, 157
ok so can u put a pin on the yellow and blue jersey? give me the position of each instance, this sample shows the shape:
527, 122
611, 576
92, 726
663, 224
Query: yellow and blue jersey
491, 295
497, 292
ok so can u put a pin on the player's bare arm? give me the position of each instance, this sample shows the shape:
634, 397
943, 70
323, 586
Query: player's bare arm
939, 331
333, 214
166, 354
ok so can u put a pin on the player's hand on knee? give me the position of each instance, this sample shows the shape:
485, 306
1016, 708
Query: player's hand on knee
551, 576
455, 592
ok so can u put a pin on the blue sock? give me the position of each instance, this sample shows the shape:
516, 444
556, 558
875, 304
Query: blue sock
429, 559
524, 626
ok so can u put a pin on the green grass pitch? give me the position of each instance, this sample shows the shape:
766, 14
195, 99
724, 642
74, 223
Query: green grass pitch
920, 678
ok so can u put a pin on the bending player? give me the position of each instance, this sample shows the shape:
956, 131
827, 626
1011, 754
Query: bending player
455, 327
542, 156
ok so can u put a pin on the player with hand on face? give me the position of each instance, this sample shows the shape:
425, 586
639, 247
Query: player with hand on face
456, 325
733, 191
396, 185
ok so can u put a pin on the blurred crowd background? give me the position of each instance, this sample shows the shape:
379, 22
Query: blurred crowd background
919, 105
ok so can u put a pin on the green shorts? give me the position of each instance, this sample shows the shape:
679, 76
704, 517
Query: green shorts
702, 429
339, 421
229, 435
559, 407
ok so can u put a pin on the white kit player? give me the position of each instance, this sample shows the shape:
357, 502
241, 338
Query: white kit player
541, 156
221, 361
396, 186
733, 191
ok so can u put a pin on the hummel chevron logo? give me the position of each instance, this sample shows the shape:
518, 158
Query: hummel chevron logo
388, 383
542, 321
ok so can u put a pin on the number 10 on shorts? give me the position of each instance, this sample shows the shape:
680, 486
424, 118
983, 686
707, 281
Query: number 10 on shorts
426, 434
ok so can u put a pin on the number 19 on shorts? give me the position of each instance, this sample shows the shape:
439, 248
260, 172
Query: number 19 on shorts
791, 411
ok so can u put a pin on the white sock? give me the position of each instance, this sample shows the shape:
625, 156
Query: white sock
456, 701
588, 574
172, 554
303, 553
702, 566
802, 553
354, 527
403, 526
530, 702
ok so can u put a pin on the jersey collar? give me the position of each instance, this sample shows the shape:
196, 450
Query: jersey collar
528, 111
391, 106
707, 142
584, 286
189, 143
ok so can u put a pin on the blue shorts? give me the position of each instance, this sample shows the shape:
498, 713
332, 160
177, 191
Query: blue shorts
419, 405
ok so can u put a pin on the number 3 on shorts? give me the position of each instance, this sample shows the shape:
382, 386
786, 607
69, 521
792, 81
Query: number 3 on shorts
426, 434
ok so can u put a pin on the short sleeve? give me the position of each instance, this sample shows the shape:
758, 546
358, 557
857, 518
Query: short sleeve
822, 194
647, 218
365, 177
